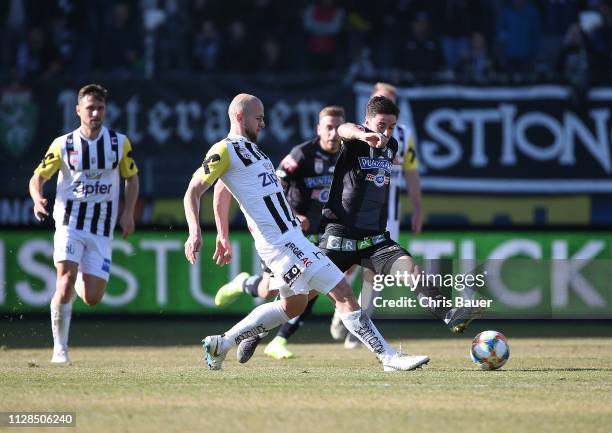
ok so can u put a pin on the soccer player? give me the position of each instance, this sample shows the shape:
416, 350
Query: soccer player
405, 165
297, 265
305, 175
356, 212
90, 161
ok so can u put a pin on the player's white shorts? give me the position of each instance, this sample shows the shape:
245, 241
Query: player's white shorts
91, 252
298, 266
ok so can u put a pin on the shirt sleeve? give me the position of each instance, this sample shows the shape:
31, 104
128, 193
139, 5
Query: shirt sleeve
52, 161
127, 165
215, 164
410, 160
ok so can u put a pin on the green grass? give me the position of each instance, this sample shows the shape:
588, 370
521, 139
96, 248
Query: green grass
550, 384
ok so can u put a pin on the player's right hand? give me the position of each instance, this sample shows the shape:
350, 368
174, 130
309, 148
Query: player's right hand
192, 247
40, 209
375, 139
223, 251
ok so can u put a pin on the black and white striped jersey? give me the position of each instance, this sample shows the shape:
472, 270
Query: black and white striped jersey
88, 183
250, 176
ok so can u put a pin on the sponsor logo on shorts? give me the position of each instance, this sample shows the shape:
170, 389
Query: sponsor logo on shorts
69, 248
256, 330
298, 253
106, 265
292, 275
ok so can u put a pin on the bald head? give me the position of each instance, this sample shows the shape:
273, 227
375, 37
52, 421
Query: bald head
246, 113
241, 105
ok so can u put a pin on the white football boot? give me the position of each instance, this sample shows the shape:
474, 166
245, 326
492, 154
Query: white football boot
213, 353
402, 362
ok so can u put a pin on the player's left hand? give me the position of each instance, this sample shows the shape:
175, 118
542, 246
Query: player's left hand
223, 251
417, 223
127, 224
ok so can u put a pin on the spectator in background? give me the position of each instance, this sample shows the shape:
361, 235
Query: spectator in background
421, 54
362, 67
459, 19
476, 67
573, 62
120, 50
37, 57
557, 16
234, 57
518, 34
270, 59
206, 47
323, 22
13, 23
600, 41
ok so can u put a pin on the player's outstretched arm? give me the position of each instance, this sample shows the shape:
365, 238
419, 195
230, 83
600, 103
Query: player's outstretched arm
222, 200
413, 180
191, 202
131, 187
36, 192
351, 131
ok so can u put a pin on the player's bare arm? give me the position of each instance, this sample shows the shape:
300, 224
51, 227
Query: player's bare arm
191, 202
222, 200
413, 180
351, 131
131, 188
36, 192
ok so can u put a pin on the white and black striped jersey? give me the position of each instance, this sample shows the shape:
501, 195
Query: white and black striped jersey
250, 176
88, 183
405, 160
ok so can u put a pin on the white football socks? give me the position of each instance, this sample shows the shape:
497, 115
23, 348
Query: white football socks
60, 324
362, 327
262, 319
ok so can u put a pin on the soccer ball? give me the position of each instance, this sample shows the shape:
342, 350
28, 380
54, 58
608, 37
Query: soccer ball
490, 350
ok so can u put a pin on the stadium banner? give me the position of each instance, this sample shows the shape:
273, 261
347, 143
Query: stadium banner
524, 274
529, 140
521, 140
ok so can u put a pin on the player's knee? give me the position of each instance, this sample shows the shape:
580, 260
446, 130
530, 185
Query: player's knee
404, 264
65, 284
294, 305
92, 298
343, 298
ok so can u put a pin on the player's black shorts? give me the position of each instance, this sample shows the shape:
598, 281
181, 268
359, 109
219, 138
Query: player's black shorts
377, 252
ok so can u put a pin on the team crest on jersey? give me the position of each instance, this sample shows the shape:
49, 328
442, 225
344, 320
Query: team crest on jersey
318, 166
388, 153
379, 179
243, 152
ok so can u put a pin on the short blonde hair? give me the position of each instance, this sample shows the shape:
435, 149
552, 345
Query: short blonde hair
386, 87
333, 111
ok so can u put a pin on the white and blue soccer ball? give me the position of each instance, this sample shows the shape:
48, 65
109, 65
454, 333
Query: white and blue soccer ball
490, 350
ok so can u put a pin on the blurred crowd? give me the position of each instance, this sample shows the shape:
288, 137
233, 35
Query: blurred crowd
420, 41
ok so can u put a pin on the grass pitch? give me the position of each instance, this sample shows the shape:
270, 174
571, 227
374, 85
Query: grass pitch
125, 377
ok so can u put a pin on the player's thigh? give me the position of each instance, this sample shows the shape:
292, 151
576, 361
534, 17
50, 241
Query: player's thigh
96, 261
68, 246
390, 258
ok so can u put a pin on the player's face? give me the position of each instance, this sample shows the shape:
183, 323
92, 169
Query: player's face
327, 129
384, 123
91, 111
253, 120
